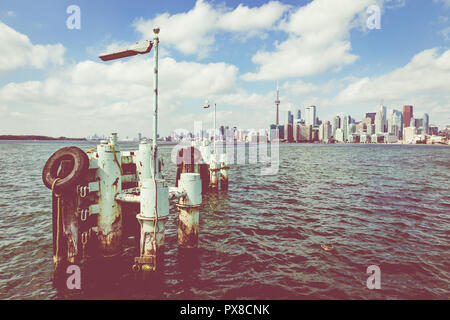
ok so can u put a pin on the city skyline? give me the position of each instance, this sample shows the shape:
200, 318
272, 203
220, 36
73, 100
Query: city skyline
322, 53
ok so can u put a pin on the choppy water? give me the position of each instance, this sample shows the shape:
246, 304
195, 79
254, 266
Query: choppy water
376, 204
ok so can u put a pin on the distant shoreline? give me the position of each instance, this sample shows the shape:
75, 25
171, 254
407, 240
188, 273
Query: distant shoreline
42, 138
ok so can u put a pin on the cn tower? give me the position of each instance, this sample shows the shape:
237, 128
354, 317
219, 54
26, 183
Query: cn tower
277, 103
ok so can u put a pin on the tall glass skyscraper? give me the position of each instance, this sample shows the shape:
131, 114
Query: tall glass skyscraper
379, 124
345, 122
310, 115
336, 124
290, 118
395, 124
426, 123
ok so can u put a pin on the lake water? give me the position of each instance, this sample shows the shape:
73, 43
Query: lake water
384, 205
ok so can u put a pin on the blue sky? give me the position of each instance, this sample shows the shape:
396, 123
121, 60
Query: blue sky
230, 52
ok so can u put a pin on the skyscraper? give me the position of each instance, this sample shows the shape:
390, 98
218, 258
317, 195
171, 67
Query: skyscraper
336, 124
310, 115
299, 114
290, 118
344, 126
325, 131
426, 123
407, 115
383, 119
379, 124
395, 124
288, 128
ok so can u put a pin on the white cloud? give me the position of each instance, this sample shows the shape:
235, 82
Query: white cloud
11, 13
18, 51
423, 82
194, 32
427, 73
318, 40
99, 97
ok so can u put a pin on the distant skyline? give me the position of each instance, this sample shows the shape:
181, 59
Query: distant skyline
232, 53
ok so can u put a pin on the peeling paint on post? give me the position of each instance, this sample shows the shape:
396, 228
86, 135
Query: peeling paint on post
214, 168
152, 222
110, 215
144, 162
188, 207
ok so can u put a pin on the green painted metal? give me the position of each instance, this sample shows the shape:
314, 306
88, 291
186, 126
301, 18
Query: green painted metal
110, 214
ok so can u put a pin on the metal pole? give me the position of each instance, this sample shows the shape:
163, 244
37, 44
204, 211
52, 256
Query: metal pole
215, 151
155, 103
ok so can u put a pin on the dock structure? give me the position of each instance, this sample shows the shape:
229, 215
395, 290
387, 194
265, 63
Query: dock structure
105, 195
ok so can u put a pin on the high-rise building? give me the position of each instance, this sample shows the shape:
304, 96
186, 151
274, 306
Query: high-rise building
426, 123
344, 126
395, 124
418, 123
305, 133
299, 114
407, 115
325, 131
339, 135
289, 132
310, 115
350, 130
290, 118
434, 130
384, 120
379, 125
336, 124
409, 133
371, 116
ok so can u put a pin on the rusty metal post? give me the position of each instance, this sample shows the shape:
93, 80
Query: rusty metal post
152, 218
214, 168
110, 213
188, 207
223, 172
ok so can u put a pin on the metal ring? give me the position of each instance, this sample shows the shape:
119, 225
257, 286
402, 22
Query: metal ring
135, 267
83, 191
84, 214
84, 238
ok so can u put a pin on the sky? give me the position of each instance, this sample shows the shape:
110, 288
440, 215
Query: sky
326, 53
